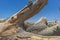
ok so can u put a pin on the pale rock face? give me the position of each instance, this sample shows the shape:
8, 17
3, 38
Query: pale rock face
52, 31
38, 26
42, 20
2, 19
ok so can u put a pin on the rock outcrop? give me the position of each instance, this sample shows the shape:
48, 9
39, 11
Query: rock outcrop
42, 20
51, 31
38, 26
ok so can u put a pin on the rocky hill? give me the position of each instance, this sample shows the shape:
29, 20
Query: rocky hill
2, 20
42, 20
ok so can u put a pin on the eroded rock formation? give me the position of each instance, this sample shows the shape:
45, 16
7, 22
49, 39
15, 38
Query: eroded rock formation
42, 20
38, 26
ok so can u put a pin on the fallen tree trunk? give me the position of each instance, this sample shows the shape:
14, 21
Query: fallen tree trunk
21, 16
27, 12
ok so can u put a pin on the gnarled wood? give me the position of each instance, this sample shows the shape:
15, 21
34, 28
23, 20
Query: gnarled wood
27, 12
17, 19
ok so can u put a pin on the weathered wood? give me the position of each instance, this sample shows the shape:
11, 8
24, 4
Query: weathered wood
27, 12
17, 19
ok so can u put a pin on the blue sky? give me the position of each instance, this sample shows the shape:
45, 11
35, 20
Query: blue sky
50, 11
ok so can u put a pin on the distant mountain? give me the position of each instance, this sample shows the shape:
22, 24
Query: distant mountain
2, 20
